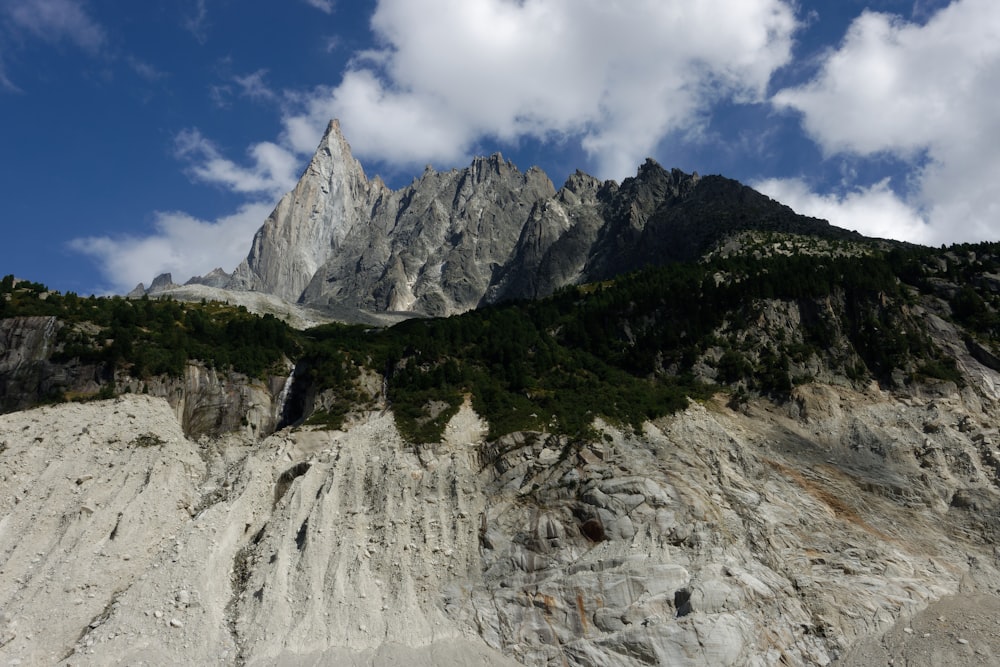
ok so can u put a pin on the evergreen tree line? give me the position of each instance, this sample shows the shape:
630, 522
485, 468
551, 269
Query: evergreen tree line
629, 349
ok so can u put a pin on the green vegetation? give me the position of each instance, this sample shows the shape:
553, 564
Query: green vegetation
967, 276
623, 350
149, 337
629, 349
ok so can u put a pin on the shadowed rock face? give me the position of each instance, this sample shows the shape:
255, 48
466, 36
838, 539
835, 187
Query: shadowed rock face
206, 401
27, 374
451, 241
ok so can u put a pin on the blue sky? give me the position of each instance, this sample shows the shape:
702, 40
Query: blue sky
144, 137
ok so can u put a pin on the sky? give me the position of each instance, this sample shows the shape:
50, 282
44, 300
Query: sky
138, 138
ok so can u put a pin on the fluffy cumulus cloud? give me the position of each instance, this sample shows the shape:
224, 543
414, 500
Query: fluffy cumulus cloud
181, 245
873, 210
618, 78
184, 245
273, 170
923, 93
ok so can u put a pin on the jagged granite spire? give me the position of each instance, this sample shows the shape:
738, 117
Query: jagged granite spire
309, 222
339, 239
433, 246
451, 241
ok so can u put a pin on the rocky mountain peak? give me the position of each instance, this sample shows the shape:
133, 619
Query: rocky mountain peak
309, 223
333, 159
654, 183
162, 281
217, 277
579, 182
451, 241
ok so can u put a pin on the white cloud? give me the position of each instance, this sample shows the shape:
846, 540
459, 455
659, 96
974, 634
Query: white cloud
197, 23
273, 172
618, 78
144, 69
873, 211
181, 245
325, 6
925, 94
253, 86
56, 21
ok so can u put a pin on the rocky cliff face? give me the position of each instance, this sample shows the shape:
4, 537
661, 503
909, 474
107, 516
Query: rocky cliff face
206, 401
749, 532
774, 534
340, 239
309, 223
432, 247
452, 241
211, 402
27, 374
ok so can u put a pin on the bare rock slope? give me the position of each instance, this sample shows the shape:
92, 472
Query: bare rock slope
772, 535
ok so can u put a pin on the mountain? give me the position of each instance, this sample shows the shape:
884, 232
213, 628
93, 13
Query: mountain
450, 242
729, 435
430, 248
780, 519
779, 452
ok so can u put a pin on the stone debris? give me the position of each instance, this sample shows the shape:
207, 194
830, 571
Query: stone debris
712, 537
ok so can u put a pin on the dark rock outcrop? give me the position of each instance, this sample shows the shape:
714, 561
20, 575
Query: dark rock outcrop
28, 376
207, 401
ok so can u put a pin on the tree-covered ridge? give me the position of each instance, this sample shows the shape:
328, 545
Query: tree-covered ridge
629, 349
147, 337
967, 276
636, 347
761, 244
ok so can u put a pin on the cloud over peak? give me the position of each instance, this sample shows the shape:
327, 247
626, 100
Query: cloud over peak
912, 104
924, 94
274, 170
449, 72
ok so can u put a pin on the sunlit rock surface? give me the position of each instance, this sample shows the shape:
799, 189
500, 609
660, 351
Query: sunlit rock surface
713, 537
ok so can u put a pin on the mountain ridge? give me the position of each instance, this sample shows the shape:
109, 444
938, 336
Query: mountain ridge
452, 241
776, 446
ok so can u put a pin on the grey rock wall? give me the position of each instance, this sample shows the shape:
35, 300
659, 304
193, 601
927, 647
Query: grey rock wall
27, 374
455, 240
